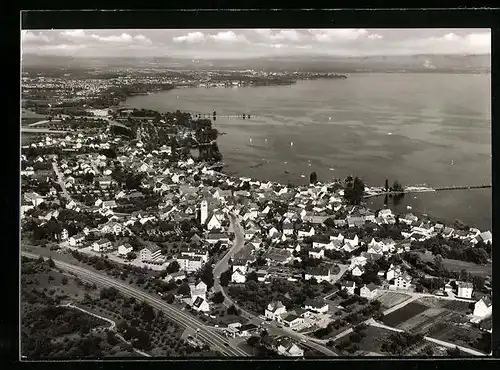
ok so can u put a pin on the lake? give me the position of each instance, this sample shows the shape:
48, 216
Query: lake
430, 129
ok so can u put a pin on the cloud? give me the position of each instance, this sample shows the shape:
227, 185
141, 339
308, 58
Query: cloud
338, 34
74, 34
190, 38
228, 36
28, 37
375, 36
282, 35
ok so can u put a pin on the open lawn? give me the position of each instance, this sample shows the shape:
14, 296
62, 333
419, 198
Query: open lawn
456, 265
399, 316
391, 299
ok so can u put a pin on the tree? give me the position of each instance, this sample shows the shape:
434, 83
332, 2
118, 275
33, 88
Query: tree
173, 267
64, 280
253, 341
225, 278
218, 298
313, 178
51, 263
438, 262
131, 256
184, 289
233, 310
207, 275
396, 186
386, 185
169, 298
478, 282
252, 276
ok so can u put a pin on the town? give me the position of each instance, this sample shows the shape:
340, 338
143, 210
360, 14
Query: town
136, 203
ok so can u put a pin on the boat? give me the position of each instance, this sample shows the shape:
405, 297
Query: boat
291, 143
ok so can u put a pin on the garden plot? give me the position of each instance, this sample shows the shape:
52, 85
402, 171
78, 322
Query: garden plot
424, 321
398, 317
391, 299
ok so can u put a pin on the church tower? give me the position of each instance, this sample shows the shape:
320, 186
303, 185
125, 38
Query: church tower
203, 212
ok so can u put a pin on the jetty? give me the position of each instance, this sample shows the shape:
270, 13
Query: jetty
415, 189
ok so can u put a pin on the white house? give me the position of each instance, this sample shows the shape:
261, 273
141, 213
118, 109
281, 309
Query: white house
393, 272
150, 253
369, 291
465, 290
291, 320
357, 270
124, 249
76, 240
215, 222
200, 304
274, 310
318, 273
349, 286
189, 263
103, 245
306, 232
317, 254
403, 281
238, 277
290, 349
317, 305
288, 227
483, 307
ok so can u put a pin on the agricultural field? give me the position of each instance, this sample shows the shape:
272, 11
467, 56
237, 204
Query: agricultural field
397, 317
424, 322
457, 265
373, 340
455, 306
391, 299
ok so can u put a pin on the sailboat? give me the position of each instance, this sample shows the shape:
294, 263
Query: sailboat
291, 143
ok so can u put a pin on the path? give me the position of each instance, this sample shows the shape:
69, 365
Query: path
112, 327
60, 181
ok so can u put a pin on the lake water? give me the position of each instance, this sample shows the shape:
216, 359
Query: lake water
414, 128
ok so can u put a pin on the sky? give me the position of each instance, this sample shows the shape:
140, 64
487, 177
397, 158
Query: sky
245, 43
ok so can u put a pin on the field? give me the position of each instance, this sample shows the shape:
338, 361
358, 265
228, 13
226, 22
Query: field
399, 316
455, 306
424, 322
373, 340
456, 265
391, 299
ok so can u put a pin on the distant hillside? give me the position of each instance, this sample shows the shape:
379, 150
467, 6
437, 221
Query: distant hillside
316, 63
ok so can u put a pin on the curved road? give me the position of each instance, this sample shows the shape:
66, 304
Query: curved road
213, 338
222, 266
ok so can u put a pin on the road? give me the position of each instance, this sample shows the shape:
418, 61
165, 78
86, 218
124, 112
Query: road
214, 339
30, 130
60, 181
222, 265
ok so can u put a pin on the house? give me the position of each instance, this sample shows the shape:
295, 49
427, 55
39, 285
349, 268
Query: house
215, 222
214, 237
108, 204
124, 249
151, 252
317, 305
288, 227
318, 273
486, 237
190, 263
64, 234
349, 286
200, 304
465, 290
277, 255
247, 330
291, 320
238, 277
393, 272
369, 291
483, 307
76, 239
198, 290
103, 245
104, 181
357, 270
305, 232
274, 310
317, 254
262, 275
175, 276
355, 221
286, 347
403, 281
447, 232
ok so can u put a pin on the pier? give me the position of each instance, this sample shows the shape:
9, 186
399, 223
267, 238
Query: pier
410, 190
